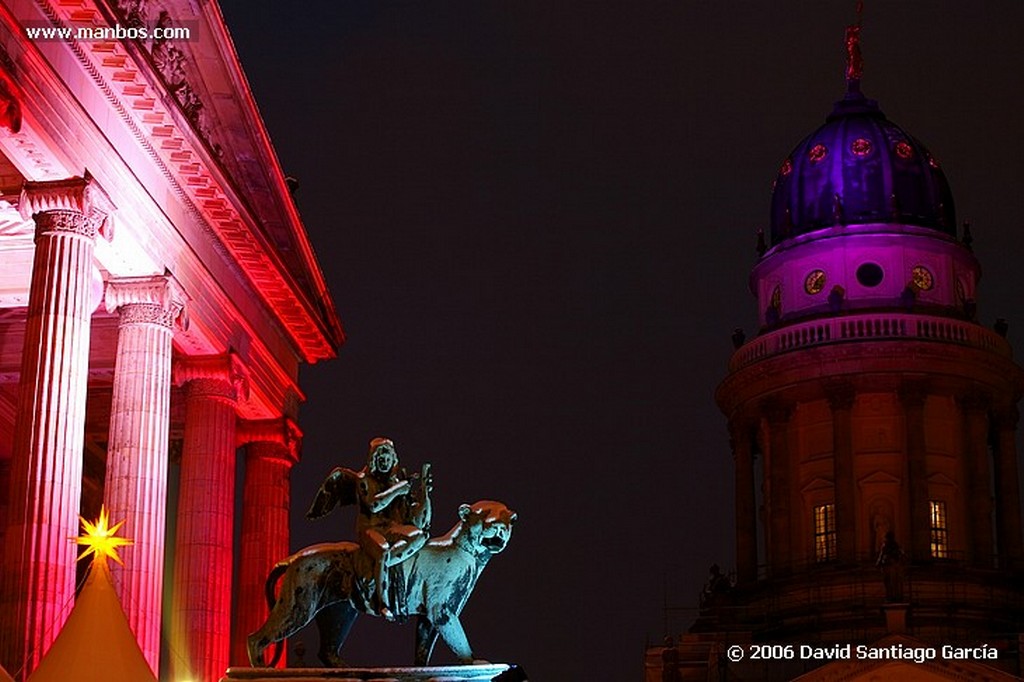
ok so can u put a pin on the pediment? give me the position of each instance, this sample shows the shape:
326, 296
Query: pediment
939, 478
879, 478
817, 484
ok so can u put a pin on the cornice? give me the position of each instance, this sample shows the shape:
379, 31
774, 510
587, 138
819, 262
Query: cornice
160, 124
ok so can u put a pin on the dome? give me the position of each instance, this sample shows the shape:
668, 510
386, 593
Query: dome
859, 167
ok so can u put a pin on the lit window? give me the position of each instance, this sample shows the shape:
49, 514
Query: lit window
825, 532
940, 531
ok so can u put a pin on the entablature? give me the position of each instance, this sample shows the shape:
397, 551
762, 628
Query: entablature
117, 88
99, 106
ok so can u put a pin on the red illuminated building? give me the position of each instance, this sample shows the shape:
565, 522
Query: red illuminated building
872, 401
158, 294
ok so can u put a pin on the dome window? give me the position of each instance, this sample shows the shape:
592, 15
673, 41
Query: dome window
932, 162
922, 278
818, 153
870, 274
815, 282
861, 146
904, 150
787, 168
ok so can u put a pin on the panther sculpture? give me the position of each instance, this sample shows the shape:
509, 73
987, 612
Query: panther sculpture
323, 582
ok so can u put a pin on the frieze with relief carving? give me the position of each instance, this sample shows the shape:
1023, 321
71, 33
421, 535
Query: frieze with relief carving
171, 64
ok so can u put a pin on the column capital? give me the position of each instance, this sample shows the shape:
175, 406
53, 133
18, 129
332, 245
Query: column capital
741, 429
224, 375
913, 394
282, 431
1006, 416
840, 395
777, 410
155, 299
974, 400
78, 195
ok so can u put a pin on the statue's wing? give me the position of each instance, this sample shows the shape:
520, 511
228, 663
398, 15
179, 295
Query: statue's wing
339, 489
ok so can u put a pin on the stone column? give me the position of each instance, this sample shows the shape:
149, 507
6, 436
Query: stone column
840, 399
136, 483
1008, 525
913, 396
49, 431
201, 615
742, 436
780, 553
979, 504
272, 448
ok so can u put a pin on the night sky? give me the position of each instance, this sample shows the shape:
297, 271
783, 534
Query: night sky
537, 220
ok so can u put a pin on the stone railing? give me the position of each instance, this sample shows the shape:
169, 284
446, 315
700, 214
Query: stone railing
869, 326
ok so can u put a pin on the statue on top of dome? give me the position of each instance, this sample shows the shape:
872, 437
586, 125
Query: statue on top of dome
854, 60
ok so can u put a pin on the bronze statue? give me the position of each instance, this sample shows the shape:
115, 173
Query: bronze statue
393, 571
389, 527
332, 582
890, 560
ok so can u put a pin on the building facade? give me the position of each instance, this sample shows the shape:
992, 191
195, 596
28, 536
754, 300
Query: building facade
873, 423
158, 293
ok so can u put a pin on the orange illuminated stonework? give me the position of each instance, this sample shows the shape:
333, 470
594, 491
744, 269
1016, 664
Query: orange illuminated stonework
158, 294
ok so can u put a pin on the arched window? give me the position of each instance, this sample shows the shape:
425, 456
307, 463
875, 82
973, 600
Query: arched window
825, 532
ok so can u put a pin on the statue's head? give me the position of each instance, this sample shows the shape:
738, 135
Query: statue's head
382, 457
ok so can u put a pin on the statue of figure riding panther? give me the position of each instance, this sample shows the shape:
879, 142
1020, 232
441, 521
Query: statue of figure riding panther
394, 571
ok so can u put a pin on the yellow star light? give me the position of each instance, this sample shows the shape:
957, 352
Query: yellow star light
100, 538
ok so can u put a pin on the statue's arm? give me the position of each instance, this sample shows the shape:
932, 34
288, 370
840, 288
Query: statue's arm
381, 500
421, 511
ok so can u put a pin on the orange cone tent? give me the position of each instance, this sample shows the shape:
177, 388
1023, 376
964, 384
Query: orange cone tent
96, 643
4, 677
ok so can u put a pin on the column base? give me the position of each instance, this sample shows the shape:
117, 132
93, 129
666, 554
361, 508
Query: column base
485, 672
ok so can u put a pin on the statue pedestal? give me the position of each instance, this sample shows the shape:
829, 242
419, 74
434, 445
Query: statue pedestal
488, 672
896, 618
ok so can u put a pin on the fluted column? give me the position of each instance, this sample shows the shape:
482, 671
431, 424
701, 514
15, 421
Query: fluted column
742, 436
136, 483
46, 464
913, 396
201, 618
779, 523
272, 447
1008, 525
975, 409
840, 399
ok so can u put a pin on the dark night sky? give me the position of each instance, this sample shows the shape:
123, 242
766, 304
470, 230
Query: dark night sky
537, 220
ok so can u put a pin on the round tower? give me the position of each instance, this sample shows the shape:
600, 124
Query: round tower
871, 403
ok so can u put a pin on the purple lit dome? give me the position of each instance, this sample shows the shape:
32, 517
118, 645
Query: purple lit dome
859, 168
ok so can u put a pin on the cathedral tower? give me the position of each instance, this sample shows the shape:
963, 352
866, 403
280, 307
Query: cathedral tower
871, 402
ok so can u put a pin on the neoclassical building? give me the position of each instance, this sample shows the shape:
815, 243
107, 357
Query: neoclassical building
871, 404
158, 293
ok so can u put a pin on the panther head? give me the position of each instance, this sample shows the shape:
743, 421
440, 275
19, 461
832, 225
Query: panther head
486, 526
